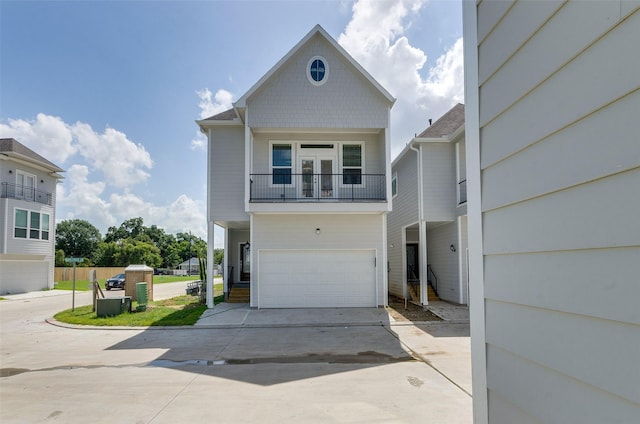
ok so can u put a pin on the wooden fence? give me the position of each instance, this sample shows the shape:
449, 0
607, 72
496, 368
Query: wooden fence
82, 273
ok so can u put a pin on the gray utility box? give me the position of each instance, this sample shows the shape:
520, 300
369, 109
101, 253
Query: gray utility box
112, 306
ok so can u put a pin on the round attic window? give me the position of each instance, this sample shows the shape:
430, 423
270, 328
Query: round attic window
317, 70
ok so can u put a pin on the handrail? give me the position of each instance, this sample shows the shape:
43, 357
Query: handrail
462, 192
432, 279
305, 187
22, 192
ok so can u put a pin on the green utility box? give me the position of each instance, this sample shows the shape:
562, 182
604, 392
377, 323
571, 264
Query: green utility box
142, 295
109, 307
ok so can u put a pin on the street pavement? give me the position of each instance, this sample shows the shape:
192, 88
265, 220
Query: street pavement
317, 366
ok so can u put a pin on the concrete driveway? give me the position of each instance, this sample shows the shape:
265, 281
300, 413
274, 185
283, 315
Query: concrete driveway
320, 372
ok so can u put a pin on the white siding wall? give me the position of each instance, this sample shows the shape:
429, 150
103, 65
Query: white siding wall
226, 187
560, 184
440, 185
405, 213
354, 231
346, 100
443, 261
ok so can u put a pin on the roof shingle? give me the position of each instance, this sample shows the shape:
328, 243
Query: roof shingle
447, 124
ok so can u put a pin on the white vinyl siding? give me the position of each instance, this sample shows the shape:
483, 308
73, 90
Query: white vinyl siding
346, 100
440, 185
405, 213
226, 184
560, 186
443, 261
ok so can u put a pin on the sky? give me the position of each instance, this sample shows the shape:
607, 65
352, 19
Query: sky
110, 90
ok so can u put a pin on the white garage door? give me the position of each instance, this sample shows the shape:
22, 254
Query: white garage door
23, 276
317, 278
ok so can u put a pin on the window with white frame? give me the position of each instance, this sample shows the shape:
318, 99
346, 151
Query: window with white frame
281, 164
352, 163
25, 185
31, 224
394, 185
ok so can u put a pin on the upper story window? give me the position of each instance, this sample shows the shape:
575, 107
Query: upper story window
352, 160
317, 70
281, 163
33, 224
394, 185
25, 185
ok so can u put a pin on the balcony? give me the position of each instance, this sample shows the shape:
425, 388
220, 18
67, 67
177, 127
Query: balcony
307, 187
30, 194
462, 192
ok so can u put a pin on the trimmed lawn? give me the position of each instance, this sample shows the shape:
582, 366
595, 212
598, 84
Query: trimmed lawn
181, 310
83, 285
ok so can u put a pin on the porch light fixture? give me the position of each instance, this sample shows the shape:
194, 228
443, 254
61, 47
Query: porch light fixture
318, 231
452, 248
248, 245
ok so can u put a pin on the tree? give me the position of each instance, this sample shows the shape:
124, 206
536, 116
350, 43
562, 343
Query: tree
218, 256
77, 238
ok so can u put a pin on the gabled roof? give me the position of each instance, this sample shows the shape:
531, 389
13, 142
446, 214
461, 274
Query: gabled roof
447, 124
445, 129
227, 115
12, 148
242, 101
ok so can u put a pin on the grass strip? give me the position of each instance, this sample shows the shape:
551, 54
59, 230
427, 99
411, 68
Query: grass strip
180, 310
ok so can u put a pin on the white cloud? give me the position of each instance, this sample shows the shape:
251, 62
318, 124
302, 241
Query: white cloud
211, 106
374, 37
49, 136
120, 160
82, 199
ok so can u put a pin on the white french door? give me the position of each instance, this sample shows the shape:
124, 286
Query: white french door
317, 177
25, 185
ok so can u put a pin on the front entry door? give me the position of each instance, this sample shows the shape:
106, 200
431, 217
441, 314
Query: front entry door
317, 178
245, 262
413, 263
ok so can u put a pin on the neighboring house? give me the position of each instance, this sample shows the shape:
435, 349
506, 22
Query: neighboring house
192, 266
299, 178
427, 230
553, 153
27, 218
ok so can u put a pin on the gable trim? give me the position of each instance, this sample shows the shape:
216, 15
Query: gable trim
242, 101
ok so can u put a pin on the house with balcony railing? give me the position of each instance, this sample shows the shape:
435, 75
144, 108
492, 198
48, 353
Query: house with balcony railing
427, 228
299, 179
27, 218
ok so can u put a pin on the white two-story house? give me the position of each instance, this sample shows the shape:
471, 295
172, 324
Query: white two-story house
427, 230
27, 218
299, 178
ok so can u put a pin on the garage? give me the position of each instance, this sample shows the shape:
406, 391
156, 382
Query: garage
23, 276
317, 278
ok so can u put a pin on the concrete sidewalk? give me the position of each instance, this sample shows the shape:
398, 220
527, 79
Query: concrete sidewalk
229, 315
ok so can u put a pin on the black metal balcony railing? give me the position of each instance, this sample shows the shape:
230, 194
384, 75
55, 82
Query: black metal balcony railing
30, 194
286, 187
462, 192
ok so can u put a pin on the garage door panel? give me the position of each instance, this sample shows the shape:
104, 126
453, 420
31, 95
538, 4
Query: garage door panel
317, 278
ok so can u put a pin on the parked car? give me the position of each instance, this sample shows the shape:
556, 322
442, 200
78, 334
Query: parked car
115, 282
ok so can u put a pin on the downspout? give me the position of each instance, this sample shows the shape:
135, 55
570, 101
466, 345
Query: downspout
422, 233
